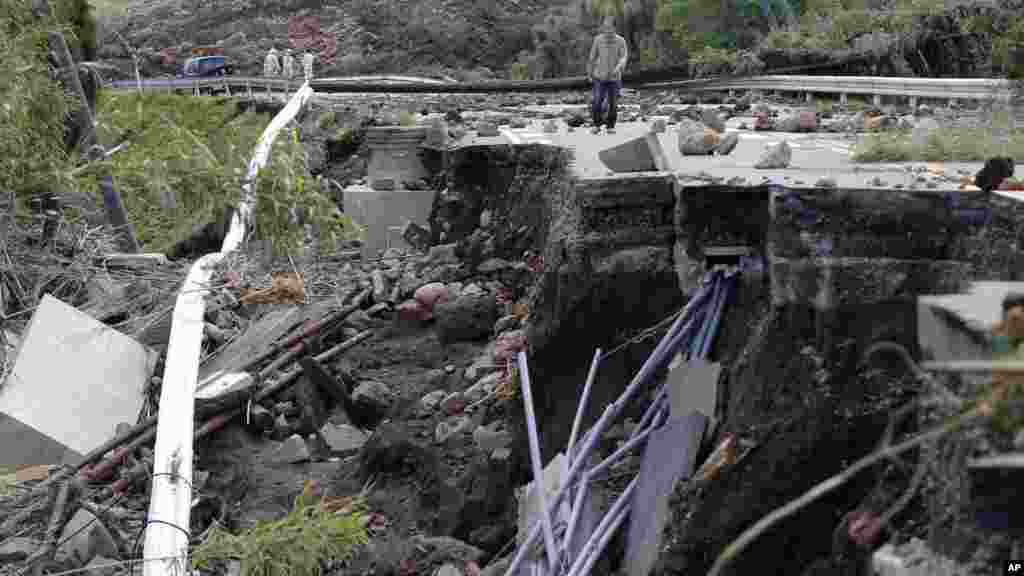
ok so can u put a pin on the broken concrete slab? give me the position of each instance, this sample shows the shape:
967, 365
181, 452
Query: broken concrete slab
343, 440
292, 451
643, 154
693, 386
556, 472
385, 213
256, 339
100, 372
84, 538
670, 455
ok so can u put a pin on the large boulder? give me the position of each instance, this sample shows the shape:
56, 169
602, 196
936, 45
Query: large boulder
468, 317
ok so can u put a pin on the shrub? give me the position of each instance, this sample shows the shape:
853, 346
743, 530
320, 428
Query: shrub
519, 71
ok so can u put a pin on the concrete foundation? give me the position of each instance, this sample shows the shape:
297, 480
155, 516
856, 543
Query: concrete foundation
384, 213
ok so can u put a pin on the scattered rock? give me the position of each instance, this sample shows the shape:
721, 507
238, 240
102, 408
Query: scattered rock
292, 451
381, 286
449, 570
441, 549
469, 317
342, 440
481, 366
877, 181
808, 121
695, 139
789, 123
413, 312
550, 127
507, 345
487, 130
659, 126
312, 408
506, 323
260, 419
85, 537
775, 157
713, 120
491, 438
417, 236
431, 402
493, 265
826, 182
446, 429
727, 144
378, 310
371, 401
762, 121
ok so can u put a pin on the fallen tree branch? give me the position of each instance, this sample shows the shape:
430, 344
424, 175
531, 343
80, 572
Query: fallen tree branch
749, 535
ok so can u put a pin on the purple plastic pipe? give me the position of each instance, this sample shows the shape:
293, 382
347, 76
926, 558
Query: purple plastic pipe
538, 466
655, 359
617, 521
581, 409
591, 547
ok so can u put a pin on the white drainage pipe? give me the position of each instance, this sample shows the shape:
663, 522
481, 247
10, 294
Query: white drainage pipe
170, 505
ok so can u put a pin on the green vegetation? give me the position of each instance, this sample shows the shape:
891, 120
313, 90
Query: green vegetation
327, 120
942, 145
32, 157
292, 546
406, 118
186, 162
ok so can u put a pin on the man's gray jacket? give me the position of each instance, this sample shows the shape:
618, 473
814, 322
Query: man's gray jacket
608, 52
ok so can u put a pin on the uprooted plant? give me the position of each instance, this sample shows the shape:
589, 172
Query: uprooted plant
316, 531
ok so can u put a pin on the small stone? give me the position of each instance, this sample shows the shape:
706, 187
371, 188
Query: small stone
449, 428
506, 323
490, 438
449, 570
449, 368
877, 181
485, 218
482, 365
492, 265
286, 409
550, 127
431, 401
826, 182
487, 130
659, 126
727, 144
417, 236
292, 451
342, 440
260, 419
775, 157
373, 399
454, 403
413, 312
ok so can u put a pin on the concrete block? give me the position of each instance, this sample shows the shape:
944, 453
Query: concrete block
980, 308
73, 382
694, 387
292, 451
670, 455
642, 154
378, 211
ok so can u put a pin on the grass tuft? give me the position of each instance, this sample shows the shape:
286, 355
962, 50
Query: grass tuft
296, 545
949, 144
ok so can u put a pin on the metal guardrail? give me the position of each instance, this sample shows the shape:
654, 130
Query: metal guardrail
938, 88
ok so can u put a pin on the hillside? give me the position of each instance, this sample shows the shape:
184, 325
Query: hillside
475, 39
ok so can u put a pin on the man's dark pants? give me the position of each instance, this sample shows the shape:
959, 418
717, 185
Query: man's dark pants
605, 90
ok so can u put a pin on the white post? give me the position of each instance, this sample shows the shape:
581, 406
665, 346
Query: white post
876, 100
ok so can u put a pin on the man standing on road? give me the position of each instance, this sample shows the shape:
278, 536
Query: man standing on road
607, 59
271, 65
307, 64
288, 65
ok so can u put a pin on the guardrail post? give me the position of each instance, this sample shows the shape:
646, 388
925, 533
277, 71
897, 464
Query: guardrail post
876, 100
953, 102
913, 102
843, 99
732, 93
227, 87
248, 87
808, 97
